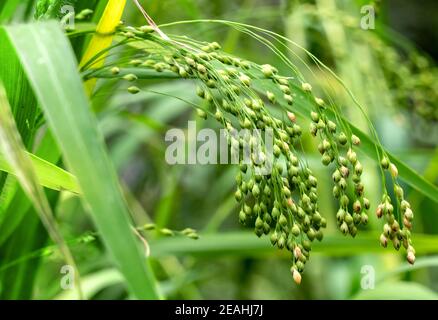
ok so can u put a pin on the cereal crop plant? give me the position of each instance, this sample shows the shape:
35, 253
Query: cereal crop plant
67, 79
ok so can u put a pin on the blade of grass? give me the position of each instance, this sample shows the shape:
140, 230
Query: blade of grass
14, 151
21, 229
58, 87
49, 175
8, 9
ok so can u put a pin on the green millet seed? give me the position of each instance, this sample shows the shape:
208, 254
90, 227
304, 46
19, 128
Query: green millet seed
342, 138
289, 99
115, 70
146, 29
133, 90
355, 140
385, 163
167, 232
193, 236
149, 226
306, 87
319, 102
130, 77
135, 62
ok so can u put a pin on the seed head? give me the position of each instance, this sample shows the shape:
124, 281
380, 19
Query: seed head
201, 113
149, 226
410, 257
398, 191
366, 203
268, 70
238, 195
407, 223
215, 46
255, 191
282, 220
344, 228
130, 77
352, 157
289, 99
314, 116
409, 215
274, 238
292, 117
146, 29
246, 81
296, 275
387, 230
355, 140
271, 96
259, 223
306, 87
332, 126
357, 206
342, 138
193, 236
167, 232
383, 240
201, 68
135, 62
115, 70
393, 169
296, 230
385, 163
319, 101
297, 252
133, 90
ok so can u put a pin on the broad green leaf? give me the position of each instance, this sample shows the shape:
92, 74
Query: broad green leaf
57, 85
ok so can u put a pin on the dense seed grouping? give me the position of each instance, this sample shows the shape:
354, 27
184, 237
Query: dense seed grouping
281, 203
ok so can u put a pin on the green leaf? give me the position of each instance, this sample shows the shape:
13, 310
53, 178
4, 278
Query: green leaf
8, 8
48, 174
12, 147
54, 77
